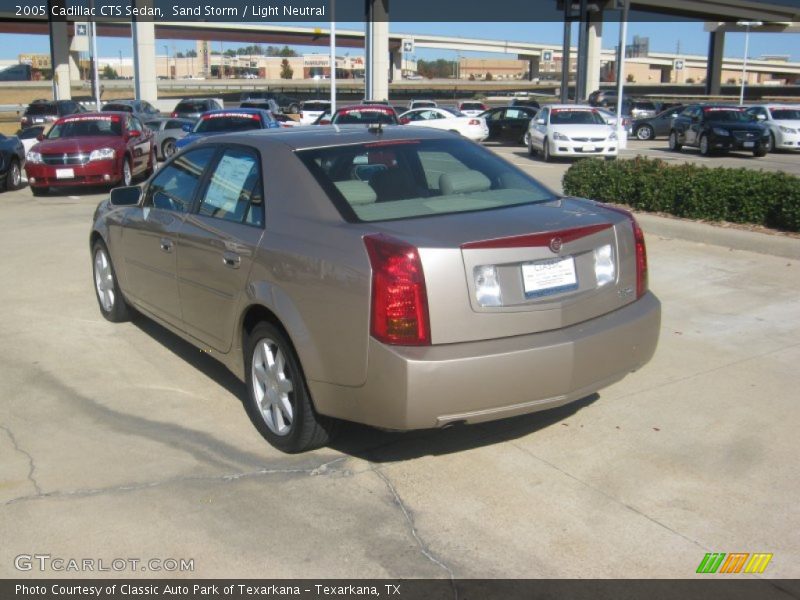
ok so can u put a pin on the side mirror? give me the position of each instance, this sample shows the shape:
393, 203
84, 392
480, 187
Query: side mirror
187, 127
134, 133
404, 120
126, 196
761, 117
540, 121
40, 137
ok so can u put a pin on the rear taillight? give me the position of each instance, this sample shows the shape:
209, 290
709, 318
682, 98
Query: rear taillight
399, 310
641, 251
24, 119
174, 115
641, 259
474, 122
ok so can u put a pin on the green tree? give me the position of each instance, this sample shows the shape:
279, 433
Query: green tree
286, 70
108, 72
488, 77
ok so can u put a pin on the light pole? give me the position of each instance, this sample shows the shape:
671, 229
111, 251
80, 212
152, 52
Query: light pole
747, 25
166, 51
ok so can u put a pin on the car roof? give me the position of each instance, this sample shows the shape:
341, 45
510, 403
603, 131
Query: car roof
321, 136
249, 111
579, 106
373, 107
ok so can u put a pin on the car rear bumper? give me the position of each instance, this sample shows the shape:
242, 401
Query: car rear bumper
424, 387
99, 172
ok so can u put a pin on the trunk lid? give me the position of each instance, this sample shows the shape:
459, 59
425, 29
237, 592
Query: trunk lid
554, 265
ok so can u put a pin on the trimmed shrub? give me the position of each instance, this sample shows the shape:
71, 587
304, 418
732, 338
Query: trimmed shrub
694, 192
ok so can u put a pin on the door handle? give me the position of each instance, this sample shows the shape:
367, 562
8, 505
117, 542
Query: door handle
166, 244
231, 259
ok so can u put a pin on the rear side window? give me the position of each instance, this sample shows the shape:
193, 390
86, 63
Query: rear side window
175, 124
316, 106
415, 178
175, 185
234, 191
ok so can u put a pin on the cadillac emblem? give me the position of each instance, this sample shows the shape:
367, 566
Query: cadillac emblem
555, 245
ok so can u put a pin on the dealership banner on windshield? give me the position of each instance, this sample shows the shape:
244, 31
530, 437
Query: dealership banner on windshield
288, 11
407, 589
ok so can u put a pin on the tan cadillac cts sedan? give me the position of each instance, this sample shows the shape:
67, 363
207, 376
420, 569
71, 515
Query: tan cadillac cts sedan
400, 277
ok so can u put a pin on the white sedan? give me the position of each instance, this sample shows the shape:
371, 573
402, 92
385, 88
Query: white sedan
473, 128
571, 130
783, 121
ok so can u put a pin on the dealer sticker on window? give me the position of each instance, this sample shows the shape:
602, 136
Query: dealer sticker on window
547, 277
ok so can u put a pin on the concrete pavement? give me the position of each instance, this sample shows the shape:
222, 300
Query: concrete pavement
122, 441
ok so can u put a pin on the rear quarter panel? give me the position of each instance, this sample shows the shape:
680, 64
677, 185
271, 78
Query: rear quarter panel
312, 271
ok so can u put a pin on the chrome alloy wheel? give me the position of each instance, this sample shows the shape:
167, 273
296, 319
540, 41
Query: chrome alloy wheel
104, 280
126, 173
16, 175
271, 386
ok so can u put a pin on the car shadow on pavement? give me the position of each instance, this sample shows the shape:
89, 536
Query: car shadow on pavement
369, 443
378, 446
202, 361
695, 152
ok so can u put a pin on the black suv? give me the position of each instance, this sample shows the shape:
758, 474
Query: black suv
286, 103
718, 128
41, 112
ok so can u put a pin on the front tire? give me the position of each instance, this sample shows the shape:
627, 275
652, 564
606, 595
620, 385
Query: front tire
14, 176
109, 297
770, 145
278, 401
127, 172
760, 152
168, 148
546, 151
705, 146
674, 144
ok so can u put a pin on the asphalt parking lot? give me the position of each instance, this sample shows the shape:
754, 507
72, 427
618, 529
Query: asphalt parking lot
122, 441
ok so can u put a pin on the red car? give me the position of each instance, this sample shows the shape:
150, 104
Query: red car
107, 148
360, 114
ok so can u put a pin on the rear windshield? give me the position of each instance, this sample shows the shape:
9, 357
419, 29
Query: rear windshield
219, 123
569, 116
789, 114
86, 126
404, 179
42, 108
316, 106
472, 106
364, 116
191, 107
644, 105
118, 107
733, 115
424, 104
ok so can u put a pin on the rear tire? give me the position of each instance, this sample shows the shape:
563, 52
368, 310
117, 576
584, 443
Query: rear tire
278, 401
109, 297
645, 132
294, 109
40, 191
127, 172
674, 145
531, 149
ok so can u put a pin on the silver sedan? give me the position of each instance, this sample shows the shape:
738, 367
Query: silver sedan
167, 131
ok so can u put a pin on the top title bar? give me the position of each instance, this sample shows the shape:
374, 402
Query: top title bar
773, 12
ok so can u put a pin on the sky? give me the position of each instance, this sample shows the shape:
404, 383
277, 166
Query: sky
664, 37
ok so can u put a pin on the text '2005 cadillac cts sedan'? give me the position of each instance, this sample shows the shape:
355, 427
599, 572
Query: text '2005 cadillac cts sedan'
402, 278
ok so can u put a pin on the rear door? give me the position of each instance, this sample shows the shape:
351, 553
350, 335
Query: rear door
149, 236
217, 245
